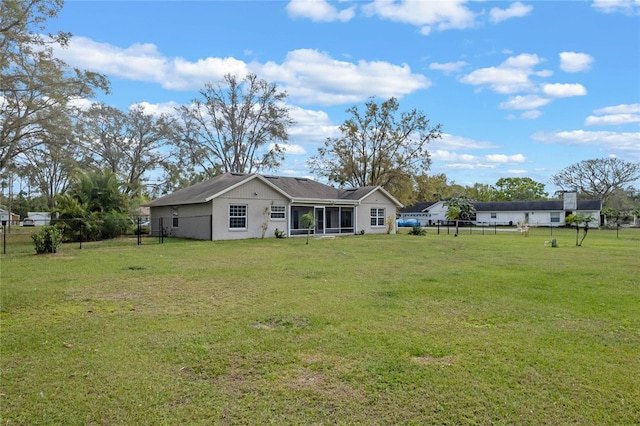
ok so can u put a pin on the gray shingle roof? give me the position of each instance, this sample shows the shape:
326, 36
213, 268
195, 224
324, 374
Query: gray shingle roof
295, 188
418, 207
513, 206
199, 192
517, 206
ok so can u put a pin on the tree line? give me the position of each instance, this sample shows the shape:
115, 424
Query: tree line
55, 140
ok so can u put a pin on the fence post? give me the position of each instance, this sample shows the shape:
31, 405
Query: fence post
139, 231
4, 236
81, 226
161, 236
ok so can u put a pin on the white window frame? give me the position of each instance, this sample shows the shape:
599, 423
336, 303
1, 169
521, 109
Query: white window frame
554, 217
376, 218
277, 212
234, 215
494, 215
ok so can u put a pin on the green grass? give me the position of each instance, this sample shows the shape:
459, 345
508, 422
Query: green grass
388, 329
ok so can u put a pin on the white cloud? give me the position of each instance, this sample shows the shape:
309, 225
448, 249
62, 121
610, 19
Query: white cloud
505, 159
619, 109
524, 102
157, 110
575, 62
531, 115
468, 161
452, 142
448, 67
291, 149
631, 7
307, 75
312, 127
428, 15
559, 90
314, 77
509, 77
516, 10
626, 143
319, 11
614, 115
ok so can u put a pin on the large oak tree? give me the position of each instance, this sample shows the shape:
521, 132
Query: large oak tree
378, 146
236, 125
597, 178
35, 87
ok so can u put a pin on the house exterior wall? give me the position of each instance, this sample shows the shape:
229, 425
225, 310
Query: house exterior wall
193, 221
375, 200
41, 218
258, 198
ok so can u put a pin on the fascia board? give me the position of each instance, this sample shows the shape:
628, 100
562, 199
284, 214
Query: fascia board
325, 201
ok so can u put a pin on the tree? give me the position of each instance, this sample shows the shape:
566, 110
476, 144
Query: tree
480, 192
128, 143
377, 147
597, 178
308, 221
459, 208
435, 187
237, 126
578, 219
35, 87
94, 206
519, 189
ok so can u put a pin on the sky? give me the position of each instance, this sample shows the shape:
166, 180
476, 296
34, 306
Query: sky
521, 89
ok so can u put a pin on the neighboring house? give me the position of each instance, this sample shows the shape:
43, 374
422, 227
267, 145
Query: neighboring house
41, 218
534, 213
9, 218
238, 206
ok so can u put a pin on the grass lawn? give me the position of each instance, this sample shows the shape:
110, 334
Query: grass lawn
373, 329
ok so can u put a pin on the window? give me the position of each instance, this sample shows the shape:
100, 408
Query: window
277, 212
494, 215
377, 217
174, 217
238, 216
555, 217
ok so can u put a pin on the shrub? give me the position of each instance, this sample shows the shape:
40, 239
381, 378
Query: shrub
47, 239
417, 230
279, 233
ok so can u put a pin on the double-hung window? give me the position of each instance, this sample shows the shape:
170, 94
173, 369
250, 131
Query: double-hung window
238, 216
174, 217
377, 217
277, 212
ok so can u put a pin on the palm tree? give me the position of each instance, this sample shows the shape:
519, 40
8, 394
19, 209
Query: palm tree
308, 221
577, 219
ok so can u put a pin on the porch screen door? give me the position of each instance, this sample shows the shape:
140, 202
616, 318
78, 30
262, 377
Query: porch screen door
319, 216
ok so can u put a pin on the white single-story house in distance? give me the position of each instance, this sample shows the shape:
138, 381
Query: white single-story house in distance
239, 206
9, 218
533, 213
41, 218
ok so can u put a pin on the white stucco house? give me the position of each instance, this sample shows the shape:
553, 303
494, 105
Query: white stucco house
534, 213
41, 218
239, 206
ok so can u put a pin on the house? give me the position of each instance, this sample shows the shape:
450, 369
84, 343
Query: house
238, 206
535, 213
9, 218
41, 218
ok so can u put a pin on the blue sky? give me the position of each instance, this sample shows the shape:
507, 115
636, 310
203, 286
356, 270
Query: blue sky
522, 89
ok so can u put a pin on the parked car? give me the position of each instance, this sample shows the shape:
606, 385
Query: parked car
28, 222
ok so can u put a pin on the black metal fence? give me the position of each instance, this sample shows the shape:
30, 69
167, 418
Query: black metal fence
81, 231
